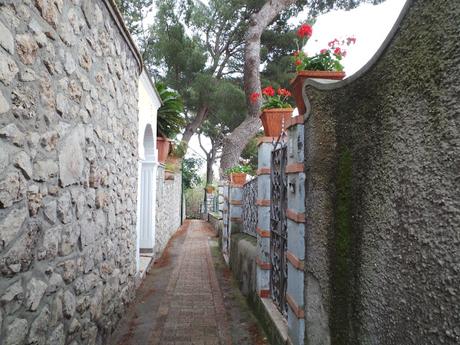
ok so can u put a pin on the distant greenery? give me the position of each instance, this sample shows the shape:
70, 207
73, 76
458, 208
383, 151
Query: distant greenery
170, 118
190, 176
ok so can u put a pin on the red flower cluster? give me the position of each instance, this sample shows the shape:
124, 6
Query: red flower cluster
254, 97
298, 62
323, 51
351, 40
305, 30
268, 91
333, 42
284, 92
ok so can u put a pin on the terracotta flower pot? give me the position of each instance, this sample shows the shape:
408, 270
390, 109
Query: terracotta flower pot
238, 178
209, 189
163, 148
272, 120
297, 83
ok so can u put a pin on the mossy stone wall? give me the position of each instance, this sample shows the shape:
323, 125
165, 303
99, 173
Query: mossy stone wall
383, 195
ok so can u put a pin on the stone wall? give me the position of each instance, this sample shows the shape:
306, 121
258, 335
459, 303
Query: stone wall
168, 204
68, 169
382, 193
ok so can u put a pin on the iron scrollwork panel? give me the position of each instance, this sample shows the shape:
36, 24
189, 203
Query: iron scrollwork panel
278, 227
250, 208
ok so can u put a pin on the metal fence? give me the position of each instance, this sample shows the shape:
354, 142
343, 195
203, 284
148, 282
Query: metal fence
278, 228
250, 207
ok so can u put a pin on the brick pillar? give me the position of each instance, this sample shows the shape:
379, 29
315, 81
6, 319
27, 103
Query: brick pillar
265, 148
296, 230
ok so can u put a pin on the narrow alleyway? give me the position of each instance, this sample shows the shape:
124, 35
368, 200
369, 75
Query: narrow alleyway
181, 299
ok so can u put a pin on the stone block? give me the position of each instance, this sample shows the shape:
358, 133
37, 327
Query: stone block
11, 224
71, 161
8, 69
16, 332
6, 39
35, 291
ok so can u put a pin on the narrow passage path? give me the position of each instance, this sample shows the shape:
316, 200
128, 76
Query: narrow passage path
181, 301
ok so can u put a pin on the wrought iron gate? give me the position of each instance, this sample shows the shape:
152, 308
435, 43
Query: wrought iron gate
278, 227
250, 207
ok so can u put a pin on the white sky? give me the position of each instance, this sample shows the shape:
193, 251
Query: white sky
369, 24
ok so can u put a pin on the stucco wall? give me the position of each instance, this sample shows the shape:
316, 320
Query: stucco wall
168, 207
68, 169
382, 192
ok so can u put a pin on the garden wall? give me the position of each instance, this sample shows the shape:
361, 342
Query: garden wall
382, 194
168, 204
68, 170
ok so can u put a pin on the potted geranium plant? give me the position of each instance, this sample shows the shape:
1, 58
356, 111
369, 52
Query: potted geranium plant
275, 109
210, 188
324, 65
238, 173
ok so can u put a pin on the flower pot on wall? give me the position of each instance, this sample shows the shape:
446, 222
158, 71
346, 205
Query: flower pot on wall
238, 178
163, 145
297, 82
272, 120
209, 189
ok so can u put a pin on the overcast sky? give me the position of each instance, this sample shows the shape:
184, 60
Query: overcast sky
369, 24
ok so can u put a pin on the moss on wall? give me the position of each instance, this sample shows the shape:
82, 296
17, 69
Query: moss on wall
341, 253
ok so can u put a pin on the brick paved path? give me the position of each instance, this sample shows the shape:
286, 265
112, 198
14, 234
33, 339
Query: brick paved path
192, 312
181, 302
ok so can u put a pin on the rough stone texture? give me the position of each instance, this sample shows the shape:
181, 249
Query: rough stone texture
67, 245
168, 208
382, 195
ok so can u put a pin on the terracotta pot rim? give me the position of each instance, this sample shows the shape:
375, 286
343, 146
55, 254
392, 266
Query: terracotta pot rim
334, 75
163, 139
278, 110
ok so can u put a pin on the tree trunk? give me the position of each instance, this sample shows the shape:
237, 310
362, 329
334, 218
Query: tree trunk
235, 143
192, 127
238, 139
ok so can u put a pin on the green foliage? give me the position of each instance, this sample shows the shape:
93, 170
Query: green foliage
178, 149
250, 152
326, 60
190, 175
170, 118
134, 12
247, 169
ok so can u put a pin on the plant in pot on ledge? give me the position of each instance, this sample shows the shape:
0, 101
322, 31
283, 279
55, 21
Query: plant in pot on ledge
324, 65
238, 173
174, 159
170, 119
210, 189
275, 109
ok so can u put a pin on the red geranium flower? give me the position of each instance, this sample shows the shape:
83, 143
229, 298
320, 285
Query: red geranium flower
298, 62
269, 91
351, 40
333, 42
305, 30
323, 51
284, 92
337, 51
254, 97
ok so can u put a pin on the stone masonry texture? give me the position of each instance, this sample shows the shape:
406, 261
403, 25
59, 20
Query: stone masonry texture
382, 192
68, 169
168, 207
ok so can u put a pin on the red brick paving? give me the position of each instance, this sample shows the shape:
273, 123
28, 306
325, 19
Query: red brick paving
192, 309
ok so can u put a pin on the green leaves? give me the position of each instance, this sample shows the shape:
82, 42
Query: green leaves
170, 118
239, 169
